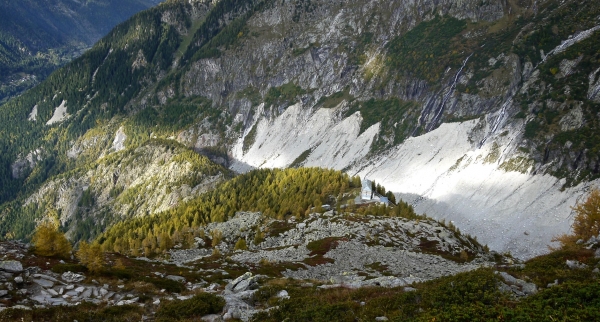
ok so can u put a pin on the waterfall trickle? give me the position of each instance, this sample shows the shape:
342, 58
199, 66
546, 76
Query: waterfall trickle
448, 94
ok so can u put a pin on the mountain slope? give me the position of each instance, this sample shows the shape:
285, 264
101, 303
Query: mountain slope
36, 37
482, 112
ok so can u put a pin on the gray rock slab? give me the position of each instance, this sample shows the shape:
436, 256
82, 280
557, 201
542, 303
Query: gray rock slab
3, 293
52, 292
211, 318
247, 284
233, 283
517, 286
573, 264
176, 278
44, 283
48, 300
11, 266
46, 277
87, 293
283, 294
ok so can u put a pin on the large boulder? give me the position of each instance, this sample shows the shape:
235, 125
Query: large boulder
71, 277
11, 266
176, 278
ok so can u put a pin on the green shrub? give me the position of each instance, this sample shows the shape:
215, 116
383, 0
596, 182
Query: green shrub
83, 312
67, 267
425, 51
286, 93
168, 285
241, 244
196, 307
531, 129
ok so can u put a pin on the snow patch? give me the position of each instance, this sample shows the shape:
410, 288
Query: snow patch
332, 143
442, 176
60, 114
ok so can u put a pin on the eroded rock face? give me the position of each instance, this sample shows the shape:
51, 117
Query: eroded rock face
119, 141
573, 120
157, 179
21, 166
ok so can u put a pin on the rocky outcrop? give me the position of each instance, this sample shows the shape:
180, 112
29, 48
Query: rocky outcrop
516, 286
147, 180
23, 165
341, 248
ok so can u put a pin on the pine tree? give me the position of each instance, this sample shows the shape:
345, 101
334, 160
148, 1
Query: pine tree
241, 244
216, 237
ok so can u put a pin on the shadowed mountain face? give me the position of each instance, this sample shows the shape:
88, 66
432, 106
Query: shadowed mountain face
37, 36
480, 112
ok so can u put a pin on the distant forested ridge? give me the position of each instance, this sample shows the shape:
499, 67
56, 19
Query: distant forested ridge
36, 37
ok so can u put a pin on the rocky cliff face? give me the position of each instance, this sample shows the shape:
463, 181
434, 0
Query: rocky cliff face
137, 182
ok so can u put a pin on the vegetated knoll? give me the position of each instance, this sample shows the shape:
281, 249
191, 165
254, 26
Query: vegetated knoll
276, 193
141, 181
38, 37
562, 285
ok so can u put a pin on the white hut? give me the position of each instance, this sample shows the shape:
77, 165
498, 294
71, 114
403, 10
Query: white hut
366, 192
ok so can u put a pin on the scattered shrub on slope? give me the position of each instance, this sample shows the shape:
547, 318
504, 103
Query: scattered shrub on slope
586, 223
196, 307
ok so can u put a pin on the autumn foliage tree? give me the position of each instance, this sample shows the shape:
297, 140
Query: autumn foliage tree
48, 240
586, 223
91, 256
276, 193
